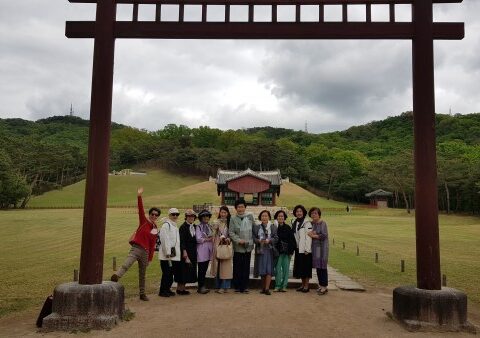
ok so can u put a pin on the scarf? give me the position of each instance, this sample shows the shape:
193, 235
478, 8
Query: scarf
192, 229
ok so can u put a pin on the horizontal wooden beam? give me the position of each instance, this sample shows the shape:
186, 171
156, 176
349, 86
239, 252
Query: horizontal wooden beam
266, 2
264, 30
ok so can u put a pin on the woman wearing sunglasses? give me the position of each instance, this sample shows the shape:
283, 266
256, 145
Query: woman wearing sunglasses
143, 245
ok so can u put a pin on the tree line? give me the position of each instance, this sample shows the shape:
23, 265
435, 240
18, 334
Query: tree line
50, 153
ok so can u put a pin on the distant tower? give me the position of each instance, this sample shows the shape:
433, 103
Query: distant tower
450, 111
71, 109
306, 127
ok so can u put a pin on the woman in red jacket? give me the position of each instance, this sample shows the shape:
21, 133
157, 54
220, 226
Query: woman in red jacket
143, 245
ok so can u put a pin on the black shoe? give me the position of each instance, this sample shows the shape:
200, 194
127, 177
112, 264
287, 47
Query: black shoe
282, 290
183, 292
305, 290
237, 291
245, 291
171, 293
263, 291
114, 278
300, 289
164, 294
267, 292
144, 298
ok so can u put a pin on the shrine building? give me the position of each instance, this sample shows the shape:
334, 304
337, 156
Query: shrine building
256, 187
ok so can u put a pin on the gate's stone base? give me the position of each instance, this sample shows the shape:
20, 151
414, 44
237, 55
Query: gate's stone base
85, 307
431, 310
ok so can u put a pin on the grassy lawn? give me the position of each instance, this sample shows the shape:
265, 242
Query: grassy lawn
391, 234
41, 248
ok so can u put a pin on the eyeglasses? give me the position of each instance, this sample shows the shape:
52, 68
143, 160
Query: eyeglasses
154, 214
175, 214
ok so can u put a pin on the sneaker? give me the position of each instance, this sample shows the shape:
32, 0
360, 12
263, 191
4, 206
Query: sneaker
114, 278
225, 290
282, 290
277, 290
267, 292
144, 298
322, 291
220, 291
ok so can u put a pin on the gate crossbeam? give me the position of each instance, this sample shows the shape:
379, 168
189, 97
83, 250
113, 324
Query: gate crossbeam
264, 30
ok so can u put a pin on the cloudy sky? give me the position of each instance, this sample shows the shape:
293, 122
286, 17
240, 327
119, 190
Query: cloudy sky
331, 85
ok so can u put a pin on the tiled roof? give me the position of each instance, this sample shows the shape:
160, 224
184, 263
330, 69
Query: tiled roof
274, 176
379, 192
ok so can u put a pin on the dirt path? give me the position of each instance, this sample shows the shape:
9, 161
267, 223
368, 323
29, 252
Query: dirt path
291, 314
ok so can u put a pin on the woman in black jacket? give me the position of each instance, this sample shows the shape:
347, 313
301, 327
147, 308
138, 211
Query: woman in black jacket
187, 269
286, 246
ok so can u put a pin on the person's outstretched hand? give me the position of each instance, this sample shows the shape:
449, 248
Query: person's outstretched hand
140, 191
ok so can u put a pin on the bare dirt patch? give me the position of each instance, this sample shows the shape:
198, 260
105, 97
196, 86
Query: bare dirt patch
291, 314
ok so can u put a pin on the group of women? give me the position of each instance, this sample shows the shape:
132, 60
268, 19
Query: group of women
226, 245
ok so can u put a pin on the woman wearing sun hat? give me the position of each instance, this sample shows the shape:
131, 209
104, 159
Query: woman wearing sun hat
169, 252
204, 236
187, 270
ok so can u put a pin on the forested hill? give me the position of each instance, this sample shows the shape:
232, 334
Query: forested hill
49, 153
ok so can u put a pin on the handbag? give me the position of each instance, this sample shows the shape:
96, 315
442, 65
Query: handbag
224, 251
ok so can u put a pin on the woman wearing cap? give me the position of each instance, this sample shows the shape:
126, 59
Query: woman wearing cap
265, 238
221, 269
204, 236
169, 252
286, 247
302, 264
143, 245
319, 236
241, 234
187, 270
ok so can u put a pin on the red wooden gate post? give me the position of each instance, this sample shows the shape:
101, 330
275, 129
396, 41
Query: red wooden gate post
426, 201
94, 215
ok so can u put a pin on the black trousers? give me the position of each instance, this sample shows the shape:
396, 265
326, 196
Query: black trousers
241, 270
167, 276
202, 271
322, 275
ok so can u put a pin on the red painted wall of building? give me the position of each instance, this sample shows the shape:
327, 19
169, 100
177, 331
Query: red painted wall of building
248, 184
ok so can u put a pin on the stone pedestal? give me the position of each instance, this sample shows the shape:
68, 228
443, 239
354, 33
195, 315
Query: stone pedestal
437, 310
85, 307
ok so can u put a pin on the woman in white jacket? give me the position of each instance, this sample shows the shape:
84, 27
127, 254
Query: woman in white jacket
169, 252
302, 264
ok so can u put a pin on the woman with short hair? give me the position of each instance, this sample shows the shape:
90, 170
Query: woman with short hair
302, 264
265, 238
204, 235
169, 252
187, 270
143, 245
241, 234
319, 235
286, 246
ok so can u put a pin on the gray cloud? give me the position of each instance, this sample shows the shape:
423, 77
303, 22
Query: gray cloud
226, 84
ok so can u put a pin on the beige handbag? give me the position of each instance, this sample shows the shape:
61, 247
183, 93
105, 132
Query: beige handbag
224, 251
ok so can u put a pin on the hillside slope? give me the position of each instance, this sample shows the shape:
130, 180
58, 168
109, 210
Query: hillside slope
164, 189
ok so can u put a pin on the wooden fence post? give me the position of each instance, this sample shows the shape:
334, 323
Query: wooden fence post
444, 280
402, 265
376, 257
358, 251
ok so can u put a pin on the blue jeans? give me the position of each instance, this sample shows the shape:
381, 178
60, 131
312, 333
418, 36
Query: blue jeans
222, 283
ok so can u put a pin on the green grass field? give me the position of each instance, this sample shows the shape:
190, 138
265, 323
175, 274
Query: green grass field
41, 248
166, 189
